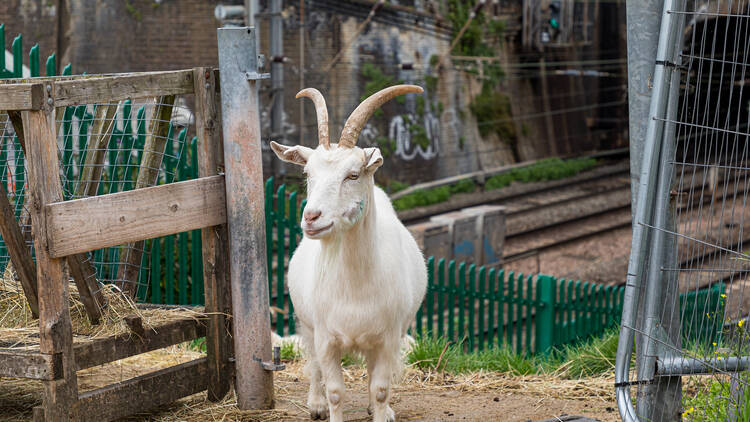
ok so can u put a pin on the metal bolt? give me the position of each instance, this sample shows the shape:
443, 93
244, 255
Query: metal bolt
49, 88
276, 355
50, 101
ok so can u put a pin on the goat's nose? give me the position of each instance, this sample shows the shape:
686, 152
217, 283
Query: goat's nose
311, 216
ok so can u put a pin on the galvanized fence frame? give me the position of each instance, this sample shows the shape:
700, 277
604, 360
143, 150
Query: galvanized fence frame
674, 217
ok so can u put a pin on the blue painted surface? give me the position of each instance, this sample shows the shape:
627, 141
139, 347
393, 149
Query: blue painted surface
464, 248
489, 252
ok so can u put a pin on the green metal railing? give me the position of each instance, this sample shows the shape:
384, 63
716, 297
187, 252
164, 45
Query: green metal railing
485, 307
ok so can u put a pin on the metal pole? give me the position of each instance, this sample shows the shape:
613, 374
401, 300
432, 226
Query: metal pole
277, 70
240, 111
645, 186
251, 9
677, 365
301, 70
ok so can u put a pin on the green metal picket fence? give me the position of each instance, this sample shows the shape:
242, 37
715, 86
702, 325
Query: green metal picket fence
485, 307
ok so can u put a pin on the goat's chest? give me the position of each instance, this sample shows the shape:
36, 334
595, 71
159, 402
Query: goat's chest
357, 317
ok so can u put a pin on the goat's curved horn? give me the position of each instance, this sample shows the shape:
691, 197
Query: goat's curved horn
322, 112
359, 117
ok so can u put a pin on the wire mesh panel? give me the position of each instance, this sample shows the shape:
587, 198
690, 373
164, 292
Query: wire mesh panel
110, 148
693, 350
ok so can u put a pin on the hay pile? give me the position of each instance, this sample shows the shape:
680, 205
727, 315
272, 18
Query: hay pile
19, 329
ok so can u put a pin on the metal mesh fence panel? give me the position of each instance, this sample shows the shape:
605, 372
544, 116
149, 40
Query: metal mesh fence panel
692, 353
110, 148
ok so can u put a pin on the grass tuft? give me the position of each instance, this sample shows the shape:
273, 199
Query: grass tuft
592, 358
429, 352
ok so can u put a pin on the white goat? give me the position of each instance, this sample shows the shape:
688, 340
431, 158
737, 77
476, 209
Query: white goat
358, 277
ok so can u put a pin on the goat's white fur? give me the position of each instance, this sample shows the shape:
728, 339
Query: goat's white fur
355, 285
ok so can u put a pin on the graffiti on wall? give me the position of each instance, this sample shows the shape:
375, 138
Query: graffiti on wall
406, 149
400, 131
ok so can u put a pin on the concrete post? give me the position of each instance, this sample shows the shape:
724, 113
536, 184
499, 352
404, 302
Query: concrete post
433, 239
490, 233
464, 242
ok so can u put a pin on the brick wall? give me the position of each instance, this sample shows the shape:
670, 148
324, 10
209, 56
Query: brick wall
36, 20
141, 35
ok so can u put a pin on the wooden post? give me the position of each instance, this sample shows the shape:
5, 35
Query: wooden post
148, 174
56, 336
215, 243
245, 215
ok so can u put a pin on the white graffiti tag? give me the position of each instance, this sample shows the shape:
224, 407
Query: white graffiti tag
399, 131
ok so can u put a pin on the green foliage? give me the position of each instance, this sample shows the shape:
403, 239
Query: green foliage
430, 83
426, 354
199, 345
463, 186
492, 110
420, 105
395, 186
592, 358
423, 197
713, 398
548, 169
133, 11
387, 145
419, 135
352, 359
375, 80
289, 351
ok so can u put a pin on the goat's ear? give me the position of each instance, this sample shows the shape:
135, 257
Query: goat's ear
374, 159
296, 154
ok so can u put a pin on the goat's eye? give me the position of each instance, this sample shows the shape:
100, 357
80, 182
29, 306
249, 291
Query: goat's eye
353, 176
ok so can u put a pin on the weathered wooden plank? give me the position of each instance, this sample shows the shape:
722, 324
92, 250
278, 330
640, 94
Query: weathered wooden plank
122, 87
96, 150
15, 119
141, 393
55, 328
18, 251
22, 97
110, 349
84, 275
214, 241
107, 220
30, 365
240, 110
148, 173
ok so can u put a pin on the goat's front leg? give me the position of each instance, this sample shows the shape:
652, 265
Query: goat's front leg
329, 358
316, 397
380, 368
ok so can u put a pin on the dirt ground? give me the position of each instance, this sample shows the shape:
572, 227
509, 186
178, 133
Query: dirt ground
419, 396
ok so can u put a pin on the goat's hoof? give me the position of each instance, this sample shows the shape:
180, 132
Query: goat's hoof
369, 410
319, 414
390, 415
